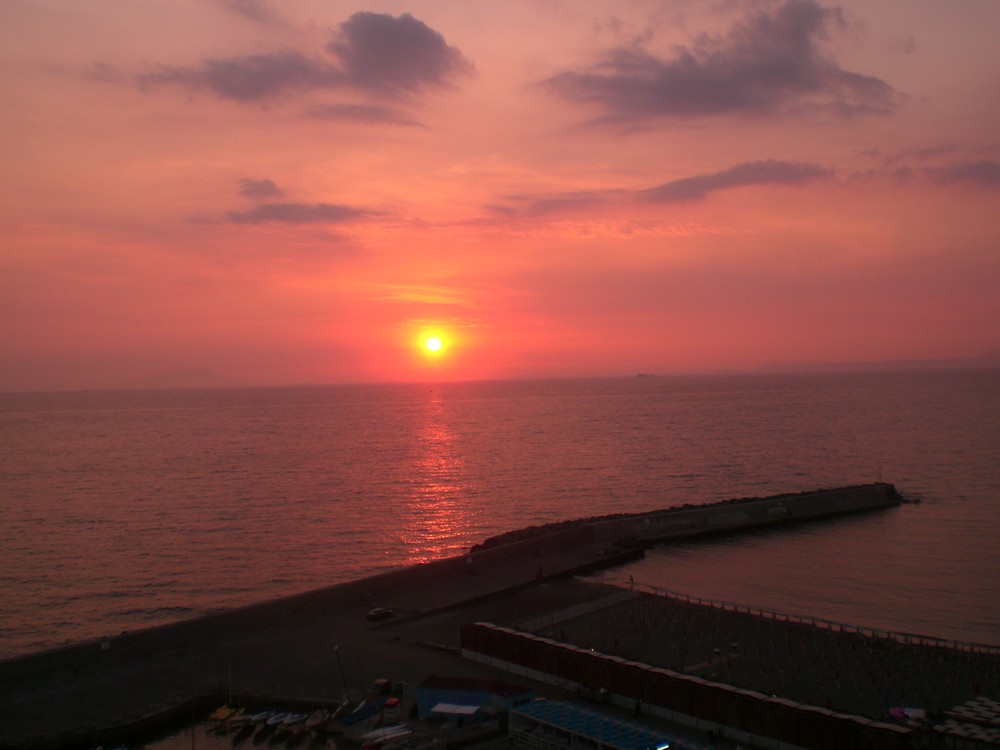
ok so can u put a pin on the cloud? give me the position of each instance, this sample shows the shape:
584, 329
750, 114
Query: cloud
257, 11
250, 78
296, 213
768, 172
395, 55
558, 202
686, 189
904, 45
984, 173
377, 53
105, 73
770, 63
912, 165
371, 114
911, 155
250, 188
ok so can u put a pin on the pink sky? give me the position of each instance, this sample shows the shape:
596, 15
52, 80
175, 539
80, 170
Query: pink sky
297, 192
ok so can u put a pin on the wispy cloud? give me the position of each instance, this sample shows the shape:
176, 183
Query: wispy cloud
557, 203
371, 114
767, 172
940, 166
984, 173
297, 213
770, 63
257, 11
250, 188
685, 189
249, 78
370, 52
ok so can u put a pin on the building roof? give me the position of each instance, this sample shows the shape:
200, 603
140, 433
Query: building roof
594, 726
455, 709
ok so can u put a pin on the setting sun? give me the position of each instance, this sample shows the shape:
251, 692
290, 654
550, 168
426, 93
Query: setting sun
433, 344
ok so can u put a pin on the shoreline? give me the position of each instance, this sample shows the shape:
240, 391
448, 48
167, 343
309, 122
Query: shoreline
621, 536
279, 648
286, 646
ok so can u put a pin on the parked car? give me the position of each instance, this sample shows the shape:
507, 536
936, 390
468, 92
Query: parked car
379, 613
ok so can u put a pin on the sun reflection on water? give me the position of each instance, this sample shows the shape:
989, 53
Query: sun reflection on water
438, 514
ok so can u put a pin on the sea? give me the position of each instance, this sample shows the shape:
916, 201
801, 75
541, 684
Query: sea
122, 510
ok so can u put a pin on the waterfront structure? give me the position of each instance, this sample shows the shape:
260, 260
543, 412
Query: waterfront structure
123, 686
555, 725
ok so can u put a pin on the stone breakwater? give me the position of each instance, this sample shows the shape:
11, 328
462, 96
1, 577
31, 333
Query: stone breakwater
687, 521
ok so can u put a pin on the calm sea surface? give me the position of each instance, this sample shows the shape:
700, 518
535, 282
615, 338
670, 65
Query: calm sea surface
122, 510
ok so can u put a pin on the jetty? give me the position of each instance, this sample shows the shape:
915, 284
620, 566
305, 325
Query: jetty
689, 521
311, 648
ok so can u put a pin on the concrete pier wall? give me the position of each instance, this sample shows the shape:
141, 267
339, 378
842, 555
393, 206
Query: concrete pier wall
643, 529
751, 513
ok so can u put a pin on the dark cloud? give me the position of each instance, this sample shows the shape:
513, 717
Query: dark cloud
296, 213
250, 188
395, 55
982, 173
768, 172
371, 114
376, 53
770, 63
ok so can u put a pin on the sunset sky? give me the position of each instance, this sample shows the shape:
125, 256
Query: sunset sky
304, 191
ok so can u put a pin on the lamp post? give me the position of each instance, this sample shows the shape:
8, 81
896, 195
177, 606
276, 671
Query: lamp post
340, 664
